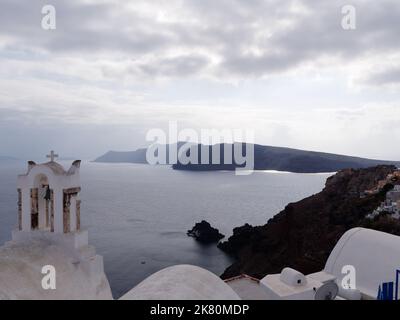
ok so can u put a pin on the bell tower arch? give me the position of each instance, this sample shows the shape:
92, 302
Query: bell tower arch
48, 201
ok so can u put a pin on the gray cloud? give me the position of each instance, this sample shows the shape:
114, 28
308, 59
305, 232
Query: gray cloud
80, 27
318, 34
175, 66
386, 77
95, 77
285, 33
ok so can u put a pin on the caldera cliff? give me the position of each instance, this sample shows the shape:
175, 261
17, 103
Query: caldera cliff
304, 233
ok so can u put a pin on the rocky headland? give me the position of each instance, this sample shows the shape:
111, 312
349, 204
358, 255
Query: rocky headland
304, 233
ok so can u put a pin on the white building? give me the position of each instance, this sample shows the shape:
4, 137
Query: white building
394, 194
49, 204
391, 205
48, 197
182, 282
49, 232
372, 255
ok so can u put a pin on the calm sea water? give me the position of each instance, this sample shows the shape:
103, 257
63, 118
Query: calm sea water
138, 215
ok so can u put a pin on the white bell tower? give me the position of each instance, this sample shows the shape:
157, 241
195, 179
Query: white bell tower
49, 214
49, 204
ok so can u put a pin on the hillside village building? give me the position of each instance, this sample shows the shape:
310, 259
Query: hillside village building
391, 178
390, 206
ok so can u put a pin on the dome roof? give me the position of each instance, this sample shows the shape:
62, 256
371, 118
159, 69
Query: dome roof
182, 282
374, 255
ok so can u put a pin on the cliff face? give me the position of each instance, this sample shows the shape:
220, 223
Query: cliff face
265, 158
138, 156
304, 233
281, 159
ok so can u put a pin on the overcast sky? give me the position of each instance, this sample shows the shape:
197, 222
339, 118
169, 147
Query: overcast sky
112, 70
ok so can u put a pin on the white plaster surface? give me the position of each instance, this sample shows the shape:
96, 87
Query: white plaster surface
21, 273
248, 289
58, 179
375, 256
276, 289
182, 282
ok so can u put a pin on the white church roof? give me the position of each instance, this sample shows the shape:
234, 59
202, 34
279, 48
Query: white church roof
182, 282
375, 256
57, 168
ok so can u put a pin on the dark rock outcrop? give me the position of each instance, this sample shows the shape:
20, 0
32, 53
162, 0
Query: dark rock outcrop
304, 233
203, 232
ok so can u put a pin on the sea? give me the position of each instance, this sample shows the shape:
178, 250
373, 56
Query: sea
138, 215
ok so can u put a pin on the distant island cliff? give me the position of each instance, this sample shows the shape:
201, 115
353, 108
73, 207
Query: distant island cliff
304, 233
137, 156
7, 158
265, 158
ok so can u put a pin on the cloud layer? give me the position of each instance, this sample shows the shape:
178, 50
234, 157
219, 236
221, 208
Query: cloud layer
142, 63
215, 38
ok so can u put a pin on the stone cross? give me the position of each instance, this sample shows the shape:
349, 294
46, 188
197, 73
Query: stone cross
52, 156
